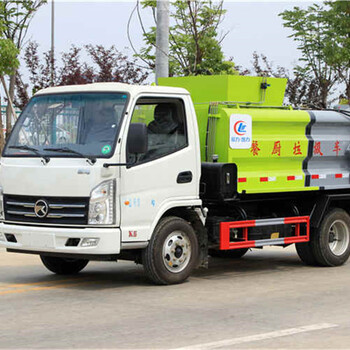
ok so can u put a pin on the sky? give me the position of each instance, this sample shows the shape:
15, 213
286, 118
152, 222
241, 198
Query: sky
252, 26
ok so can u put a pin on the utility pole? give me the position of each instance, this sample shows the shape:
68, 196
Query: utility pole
162, 40
52, 42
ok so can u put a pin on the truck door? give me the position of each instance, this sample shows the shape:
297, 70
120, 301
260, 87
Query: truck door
165, 174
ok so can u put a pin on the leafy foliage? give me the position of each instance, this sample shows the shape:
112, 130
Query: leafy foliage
337, 49
106, 65
8, 51
8, 57
262, 67
8, 63
314, 37
16, 16
195, 46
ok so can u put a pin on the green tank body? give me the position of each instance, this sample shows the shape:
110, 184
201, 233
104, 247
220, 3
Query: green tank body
242, 120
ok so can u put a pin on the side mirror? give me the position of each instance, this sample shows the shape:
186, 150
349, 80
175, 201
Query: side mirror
137, 138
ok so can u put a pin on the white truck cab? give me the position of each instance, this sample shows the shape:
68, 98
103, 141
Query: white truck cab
99, 171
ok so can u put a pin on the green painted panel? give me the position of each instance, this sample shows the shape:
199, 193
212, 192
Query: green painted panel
279, 146
233, 88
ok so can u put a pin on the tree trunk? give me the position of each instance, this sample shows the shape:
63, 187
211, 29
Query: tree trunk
2, 138
324, 95
11, 91
9, 105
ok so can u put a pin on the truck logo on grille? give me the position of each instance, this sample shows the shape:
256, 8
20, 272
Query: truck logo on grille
41, 208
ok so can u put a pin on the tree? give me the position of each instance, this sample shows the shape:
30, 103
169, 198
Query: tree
115, 66
8, 57
16, 17
337, 50
303, 91
311, 32
195, 45
300, 90
106, 65
262, 67
8, 65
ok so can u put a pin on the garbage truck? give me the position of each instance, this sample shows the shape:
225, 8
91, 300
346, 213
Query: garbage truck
167, 175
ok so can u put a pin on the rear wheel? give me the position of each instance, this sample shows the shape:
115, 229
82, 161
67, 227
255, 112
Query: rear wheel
228, 254
331, 243
172, 253
63, 266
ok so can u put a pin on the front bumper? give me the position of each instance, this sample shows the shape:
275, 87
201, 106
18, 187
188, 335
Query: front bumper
54, 239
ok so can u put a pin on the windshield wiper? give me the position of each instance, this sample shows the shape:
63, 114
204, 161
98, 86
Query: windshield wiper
91, 160
45, 159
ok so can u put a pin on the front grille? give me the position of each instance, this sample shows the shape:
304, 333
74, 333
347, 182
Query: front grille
62, 210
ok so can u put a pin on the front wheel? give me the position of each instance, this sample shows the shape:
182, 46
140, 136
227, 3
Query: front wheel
63, 266
172, 253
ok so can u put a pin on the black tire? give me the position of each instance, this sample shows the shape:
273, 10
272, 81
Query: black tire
228, 254
63, 266
335, 227
158, 264
306, 254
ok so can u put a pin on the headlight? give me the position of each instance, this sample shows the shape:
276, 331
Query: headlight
102, 202
2, 216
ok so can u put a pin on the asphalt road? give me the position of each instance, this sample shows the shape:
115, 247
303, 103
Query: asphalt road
266, 300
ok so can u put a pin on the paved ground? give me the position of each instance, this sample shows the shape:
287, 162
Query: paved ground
267, 300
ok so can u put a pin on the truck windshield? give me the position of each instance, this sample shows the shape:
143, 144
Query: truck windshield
86, 123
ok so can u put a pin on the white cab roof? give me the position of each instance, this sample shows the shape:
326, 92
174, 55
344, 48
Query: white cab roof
114, 87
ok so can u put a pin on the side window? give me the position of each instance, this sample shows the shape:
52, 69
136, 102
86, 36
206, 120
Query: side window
166, 126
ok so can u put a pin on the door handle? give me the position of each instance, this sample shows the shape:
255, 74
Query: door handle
184, 177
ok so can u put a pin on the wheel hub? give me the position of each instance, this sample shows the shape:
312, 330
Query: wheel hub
176, 251
339, 237
331, 237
